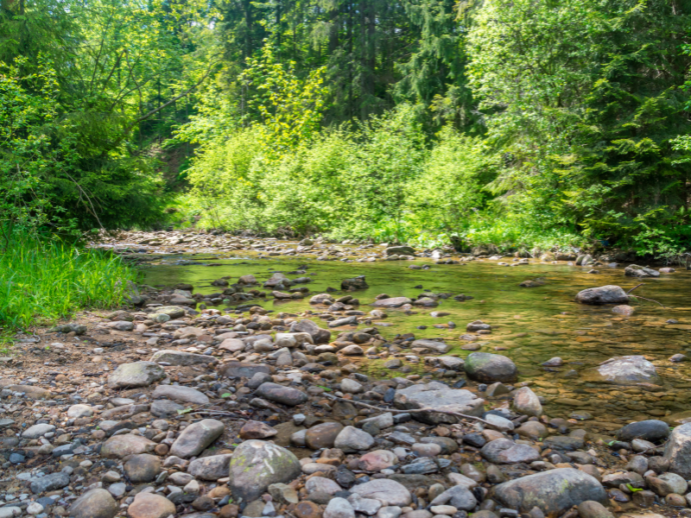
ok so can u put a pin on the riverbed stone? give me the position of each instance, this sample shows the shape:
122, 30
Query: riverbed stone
505, 451
50, 482
323, 435
440, 396
459, 496
212, 467
641, 272
651, 430
38, 430
77, 411
137, 374
393, 302
181, 393
553, 491
351, 439
624, 370
95, 503
182, 359
339, 508
488, 368
432, 345
165, 408
143, 467
378, 460
242, 369
288, 396
196, 437
388, 492
149, 505
319, 335
525, 401
603, 295
257, 464
120, 446
678, 451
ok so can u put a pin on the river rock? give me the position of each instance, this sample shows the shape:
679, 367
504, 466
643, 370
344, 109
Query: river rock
210, 468
172, 311
143, 467
432, 345
38, 430
149, 505
458, 496
137, 374
120, 446
356, 283
180, 393
678, 451
592, 509
641, 272
526, 402
96, 503
394, 302
196, 437
624, 370
77, 411
257, 430
400, 250
351, 439
603, 295
378, 460
321, 485
165, 408
50, 482
505, 451
182, 359
651, 430
388, 492
289, 396
255, 465
323, 435
488, 368
553, 491
242, 369
440, 396
319, 335
339, 508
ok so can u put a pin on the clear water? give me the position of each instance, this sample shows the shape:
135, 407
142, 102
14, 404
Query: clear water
529, 325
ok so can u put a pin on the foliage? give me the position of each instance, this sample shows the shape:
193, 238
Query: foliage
42, 280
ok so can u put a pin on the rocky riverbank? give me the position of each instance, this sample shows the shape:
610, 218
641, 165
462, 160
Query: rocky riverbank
214, 406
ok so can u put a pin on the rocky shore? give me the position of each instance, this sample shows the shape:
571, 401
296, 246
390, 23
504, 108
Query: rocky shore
174, 408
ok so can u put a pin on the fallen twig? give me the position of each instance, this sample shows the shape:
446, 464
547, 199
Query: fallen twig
219, 413
649, 300
410, 411
635, 287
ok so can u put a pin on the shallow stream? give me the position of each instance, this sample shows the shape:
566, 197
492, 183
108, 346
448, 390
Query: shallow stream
529, 325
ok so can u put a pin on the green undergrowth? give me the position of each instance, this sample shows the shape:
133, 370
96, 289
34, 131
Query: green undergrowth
44, 280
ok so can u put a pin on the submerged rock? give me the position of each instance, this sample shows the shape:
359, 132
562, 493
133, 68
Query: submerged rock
634, 270
489, 368
624, 370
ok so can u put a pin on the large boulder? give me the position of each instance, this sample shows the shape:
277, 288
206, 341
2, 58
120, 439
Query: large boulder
624, 370
137, 374
182, 359
438, 396
678, 451
553, 491
651, 430
603, 295
256, 465
641, 272
319, 335
488, 368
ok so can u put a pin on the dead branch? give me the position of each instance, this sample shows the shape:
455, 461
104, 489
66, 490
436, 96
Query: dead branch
637, 286
410, 411
650, 300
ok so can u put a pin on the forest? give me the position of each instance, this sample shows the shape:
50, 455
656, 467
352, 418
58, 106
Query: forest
513, 123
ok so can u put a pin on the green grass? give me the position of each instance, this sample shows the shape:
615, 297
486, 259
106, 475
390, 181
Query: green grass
42, 281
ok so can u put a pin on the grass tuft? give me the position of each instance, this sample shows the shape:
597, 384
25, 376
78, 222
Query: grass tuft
42, 281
